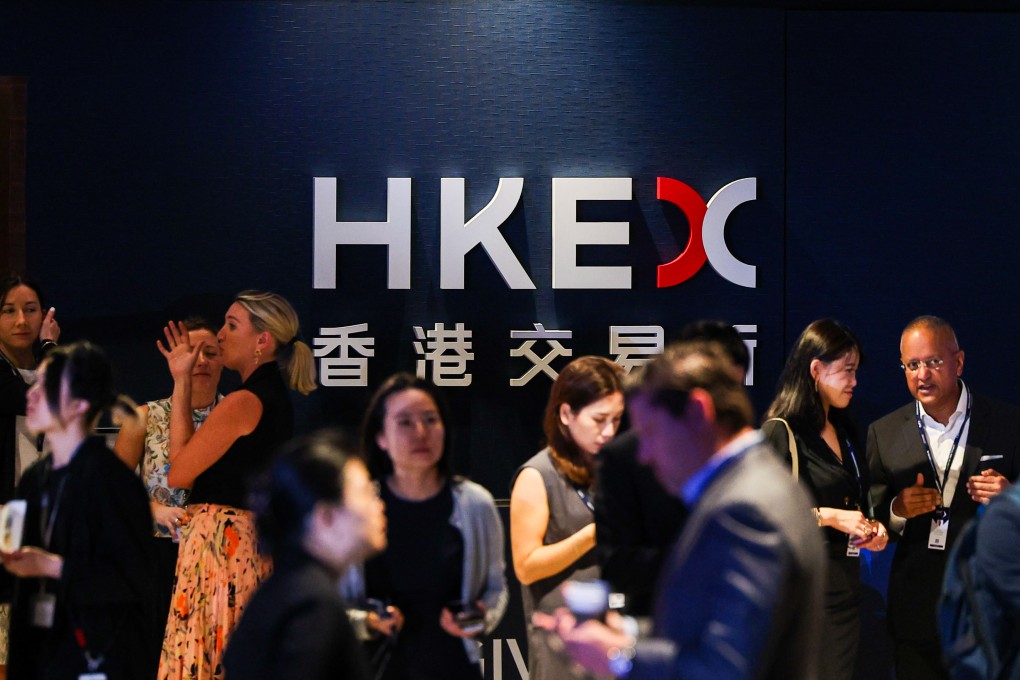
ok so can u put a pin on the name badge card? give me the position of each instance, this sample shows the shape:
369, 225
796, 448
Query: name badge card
44, 610
92, 676
851, 549
938, 537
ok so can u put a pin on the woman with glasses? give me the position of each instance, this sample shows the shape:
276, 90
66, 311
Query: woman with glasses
443, 568
552, 520
815, 389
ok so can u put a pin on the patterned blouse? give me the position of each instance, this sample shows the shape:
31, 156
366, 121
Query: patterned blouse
156, 456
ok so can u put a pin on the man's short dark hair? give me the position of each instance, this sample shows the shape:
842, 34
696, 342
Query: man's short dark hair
722, 333
669, 378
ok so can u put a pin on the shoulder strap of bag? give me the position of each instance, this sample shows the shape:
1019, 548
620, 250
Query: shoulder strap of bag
793, 446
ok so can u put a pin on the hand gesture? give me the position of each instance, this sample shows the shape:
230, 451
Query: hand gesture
170, 518
30, 562
388, 624
916, 500
50, 329
877, 540
180, 356
987, 485
852, 522
449, 622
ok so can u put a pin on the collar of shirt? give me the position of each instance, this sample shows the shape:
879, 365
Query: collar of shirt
700, 480
955, 420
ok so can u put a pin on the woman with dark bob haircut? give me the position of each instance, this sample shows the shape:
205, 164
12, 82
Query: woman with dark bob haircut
443, 570
552, 528
83, 570
317, 512
815, 388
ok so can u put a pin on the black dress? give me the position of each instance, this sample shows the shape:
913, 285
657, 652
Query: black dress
295, 628
421, 573
101, 529
833, 484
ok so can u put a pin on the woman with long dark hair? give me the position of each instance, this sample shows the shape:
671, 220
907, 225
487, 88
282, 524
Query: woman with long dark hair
815, 389
317, 513
83, 569
27, 333
552, 522
218, 564
443, 568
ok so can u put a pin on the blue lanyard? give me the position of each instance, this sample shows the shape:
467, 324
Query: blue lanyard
857, 475
941, 484
585, 498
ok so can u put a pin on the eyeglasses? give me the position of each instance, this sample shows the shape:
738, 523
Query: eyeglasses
933, 364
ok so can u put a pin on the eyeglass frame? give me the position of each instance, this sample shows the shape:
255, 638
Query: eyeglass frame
932, 364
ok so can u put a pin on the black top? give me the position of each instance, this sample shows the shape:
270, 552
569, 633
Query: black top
636, 523
102, 529
420, 573
295, 628
225, 482
831, 482
12, 404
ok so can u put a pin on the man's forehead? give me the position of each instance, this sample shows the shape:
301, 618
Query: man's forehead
927, 340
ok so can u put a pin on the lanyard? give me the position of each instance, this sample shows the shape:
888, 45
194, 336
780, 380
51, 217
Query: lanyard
48, 519
585, 498
857, 474
940, 484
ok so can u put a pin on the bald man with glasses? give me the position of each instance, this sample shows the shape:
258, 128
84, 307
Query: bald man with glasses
933, 462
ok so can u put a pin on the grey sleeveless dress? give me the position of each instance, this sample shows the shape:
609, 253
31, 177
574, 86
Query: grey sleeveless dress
568, 513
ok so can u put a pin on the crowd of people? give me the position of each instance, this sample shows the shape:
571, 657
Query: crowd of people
210, 543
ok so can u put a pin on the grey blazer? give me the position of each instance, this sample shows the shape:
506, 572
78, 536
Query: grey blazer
741, 595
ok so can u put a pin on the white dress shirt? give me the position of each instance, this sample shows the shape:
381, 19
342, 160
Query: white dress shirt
941, 438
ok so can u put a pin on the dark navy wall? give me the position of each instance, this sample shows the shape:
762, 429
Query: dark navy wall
172, 148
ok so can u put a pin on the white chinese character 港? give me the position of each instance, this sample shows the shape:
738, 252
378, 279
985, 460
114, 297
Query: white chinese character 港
448, 351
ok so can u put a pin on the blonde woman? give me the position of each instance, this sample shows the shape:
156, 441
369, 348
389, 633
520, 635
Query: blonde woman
219, 566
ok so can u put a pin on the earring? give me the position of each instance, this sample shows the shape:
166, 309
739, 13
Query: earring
258, 356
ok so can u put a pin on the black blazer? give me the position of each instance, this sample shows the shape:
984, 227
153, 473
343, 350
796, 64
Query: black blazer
636, 523
295, 627
895, 456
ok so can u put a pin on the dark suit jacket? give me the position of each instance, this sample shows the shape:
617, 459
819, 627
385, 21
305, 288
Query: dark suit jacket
636, 523
295, 627
741, 595
895, 456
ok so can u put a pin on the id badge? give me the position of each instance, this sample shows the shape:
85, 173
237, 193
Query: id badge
938, 537
851, 549
92, 676
44, 610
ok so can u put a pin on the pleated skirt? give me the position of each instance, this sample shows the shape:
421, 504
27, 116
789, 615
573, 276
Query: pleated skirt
219, 568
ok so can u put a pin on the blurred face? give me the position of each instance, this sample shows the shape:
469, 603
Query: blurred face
364, 508
836, 379
936, 387
674, 447
238, 339
340, 535
39, 417
595, 424
413, 432
21, 318
210, 361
